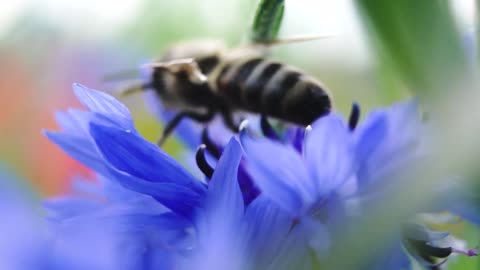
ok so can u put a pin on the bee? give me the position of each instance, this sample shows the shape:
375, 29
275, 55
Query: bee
203, 78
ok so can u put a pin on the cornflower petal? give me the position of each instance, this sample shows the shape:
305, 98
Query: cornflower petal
266, 227
115, 242
129, 153
329, 153
81, 149
73, 121
137, 229
142, 167
218, 232
100, 102
123, 221
65, 207
279, 172
223, 190
377, 141
369, 136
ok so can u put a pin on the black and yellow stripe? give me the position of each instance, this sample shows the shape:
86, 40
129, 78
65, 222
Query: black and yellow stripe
232, 77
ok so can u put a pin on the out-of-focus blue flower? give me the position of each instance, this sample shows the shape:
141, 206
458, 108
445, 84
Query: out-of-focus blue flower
24, 240
335, 170
110, 222
91, 229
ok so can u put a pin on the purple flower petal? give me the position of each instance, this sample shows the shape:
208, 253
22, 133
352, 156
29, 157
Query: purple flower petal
266, 227
73, 121
389, 137
329, 154
279, 172
131, 154
223, 190
81, 149
218, 228
180, 199
99, 102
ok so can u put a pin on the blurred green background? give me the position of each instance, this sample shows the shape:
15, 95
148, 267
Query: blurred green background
373, 58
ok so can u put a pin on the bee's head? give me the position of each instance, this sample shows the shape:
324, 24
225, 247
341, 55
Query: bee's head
183, 66
187, 63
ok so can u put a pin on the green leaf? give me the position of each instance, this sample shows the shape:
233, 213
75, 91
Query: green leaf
267, 21
419, 41
477, 32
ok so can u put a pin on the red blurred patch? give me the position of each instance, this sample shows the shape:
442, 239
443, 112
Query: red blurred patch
27, 108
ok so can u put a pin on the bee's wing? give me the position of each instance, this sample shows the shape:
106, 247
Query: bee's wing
282, 41
262, 49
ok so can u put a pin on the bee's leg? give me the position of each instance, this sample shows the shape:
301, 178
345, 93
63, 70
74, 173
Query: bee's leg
229, 121
197, 116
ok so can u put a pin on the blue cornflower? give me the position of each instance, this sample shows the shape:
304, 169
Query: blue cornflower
105, 140
150, 212
275, 207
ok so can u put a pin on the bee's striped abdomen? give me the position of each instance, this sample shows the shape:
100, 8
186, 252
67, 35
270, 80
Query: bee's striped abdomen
252, 93
276, 89
232, 79
262, 86
307, 102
